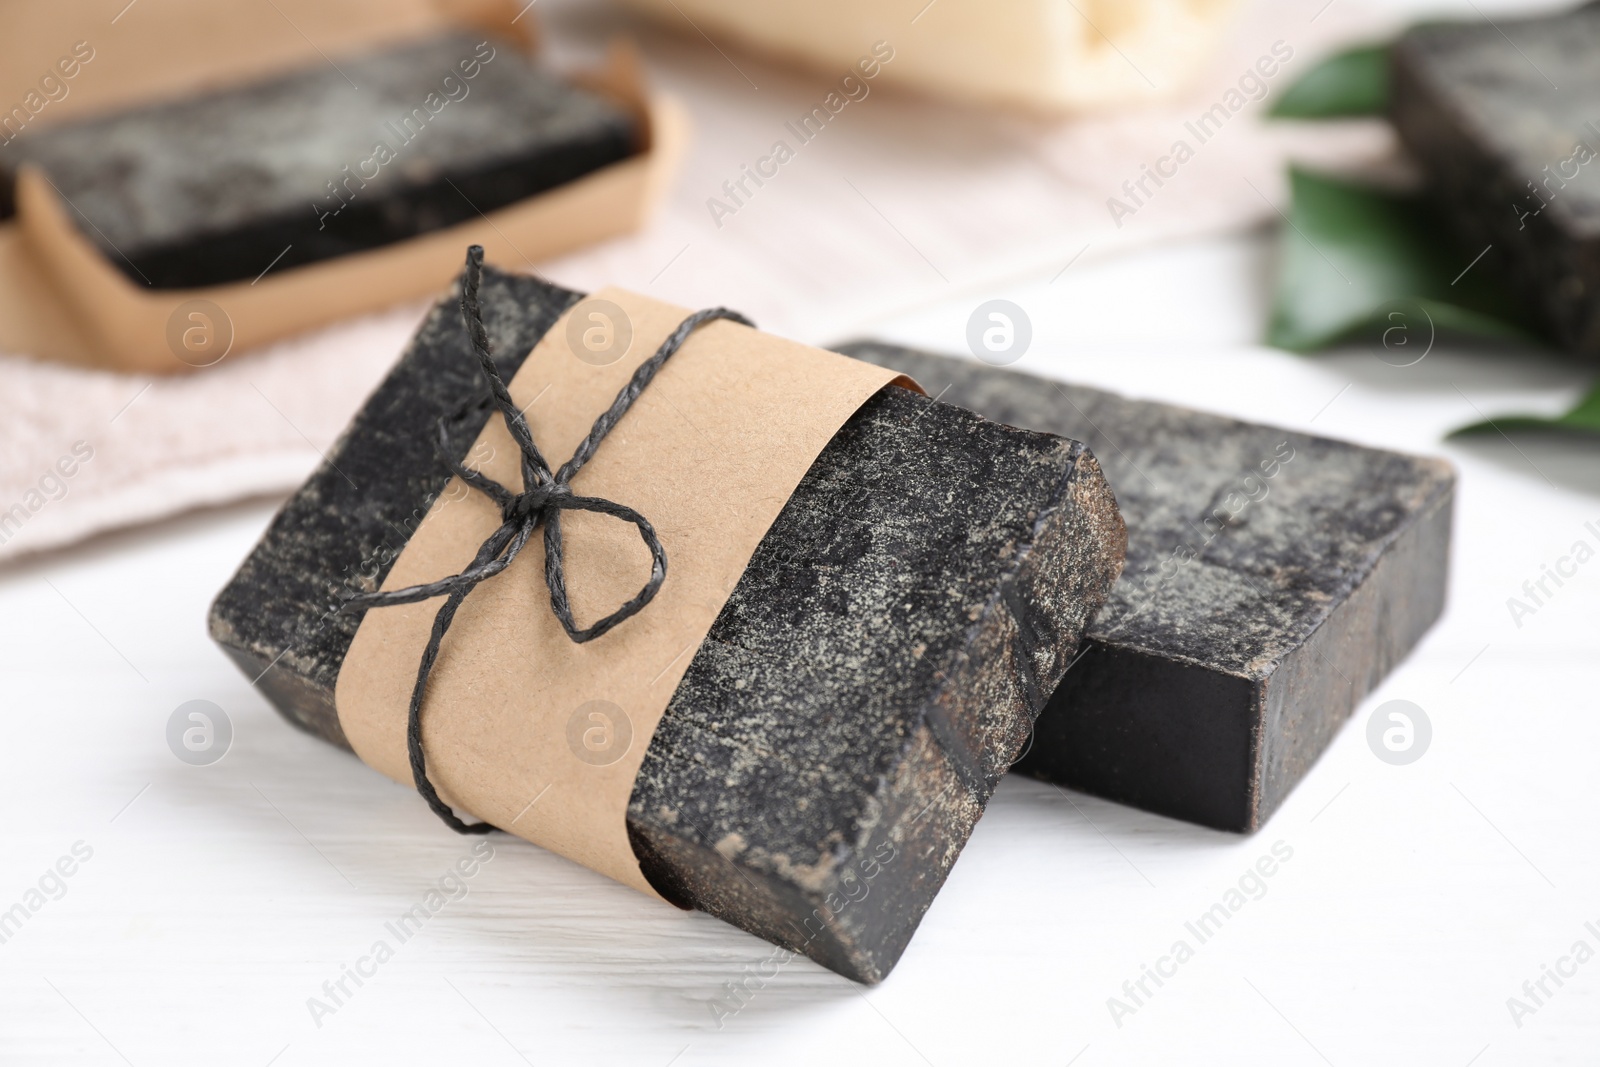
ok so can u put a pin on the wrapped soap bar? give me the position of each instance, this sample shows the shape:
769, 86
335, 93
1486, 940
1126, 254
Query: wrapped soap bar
1502, 117
860, 685
322, 161
1273, 578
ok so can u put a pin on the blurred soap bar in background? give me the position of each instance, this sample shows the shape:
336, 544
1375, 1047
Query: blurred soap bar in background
1505, 120
1045, 55
344, 155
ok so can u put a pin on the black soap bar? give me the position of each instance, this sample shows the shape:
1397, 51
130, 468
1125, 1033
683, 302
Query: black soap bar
338, 157
1505, 119
1273, 578
870, 678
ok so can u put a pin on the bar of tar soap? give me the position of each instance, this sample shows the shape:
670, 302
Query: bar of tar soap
341, 156
1505, 119
1273, 578
874, 672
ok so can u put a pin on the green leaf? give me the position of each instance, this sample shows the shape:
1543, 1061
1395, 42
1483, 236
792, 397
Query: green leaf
1585, 418
1346, 84
1358, 262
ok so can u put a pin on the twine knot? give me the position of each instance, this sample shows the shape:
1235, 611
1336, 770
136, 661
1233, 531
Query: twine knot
532, 503
546, 494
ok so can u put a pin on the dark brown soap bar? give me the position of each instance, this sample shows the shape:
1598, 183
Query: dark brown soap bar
1505, 119
341, 156
1273, 578
869, 680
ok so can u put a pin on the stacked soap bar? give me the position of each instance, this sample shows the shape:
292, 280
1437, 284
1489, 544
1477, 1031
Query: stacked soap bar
1273, 578
342, 156
871, 676
1505, 119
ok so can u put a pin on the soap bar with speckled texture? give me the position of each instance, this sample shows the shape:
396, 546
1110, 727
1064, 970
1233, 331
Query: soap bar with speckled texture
342, 156
872, 675
1504, 117
1273, 578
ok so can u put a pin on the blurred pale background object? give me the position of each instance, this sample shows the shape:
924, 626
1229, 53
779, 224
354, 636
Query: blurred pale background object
1044, 55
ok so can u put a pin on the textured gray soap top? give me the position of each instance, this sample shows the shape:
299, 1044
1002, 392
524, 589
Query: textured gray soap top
324, 157
1212, 575
1529, 94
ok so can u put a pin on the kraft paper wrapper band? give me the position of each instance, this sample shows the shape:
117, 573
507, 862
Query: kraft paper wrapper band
709, 453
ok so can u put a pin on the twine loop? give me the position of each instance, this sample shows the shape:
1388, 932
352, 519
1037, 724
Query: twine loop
545, 496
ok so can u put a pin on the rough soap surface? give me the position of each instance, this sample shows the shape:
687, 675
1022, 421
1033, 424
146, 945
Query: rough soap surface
871, 676
1272, 579
212, 188
1505, 118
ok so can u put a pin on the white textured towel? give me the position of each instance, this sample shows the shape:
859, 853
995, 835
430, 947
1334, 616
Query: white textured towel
897, 201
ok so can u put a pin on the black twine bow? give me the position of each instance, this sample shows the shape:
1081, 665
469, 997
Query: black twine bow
544, 497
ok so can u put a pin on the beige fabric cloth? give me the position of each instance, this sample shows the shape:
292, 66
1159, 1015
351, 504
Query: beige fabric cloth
898, 202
